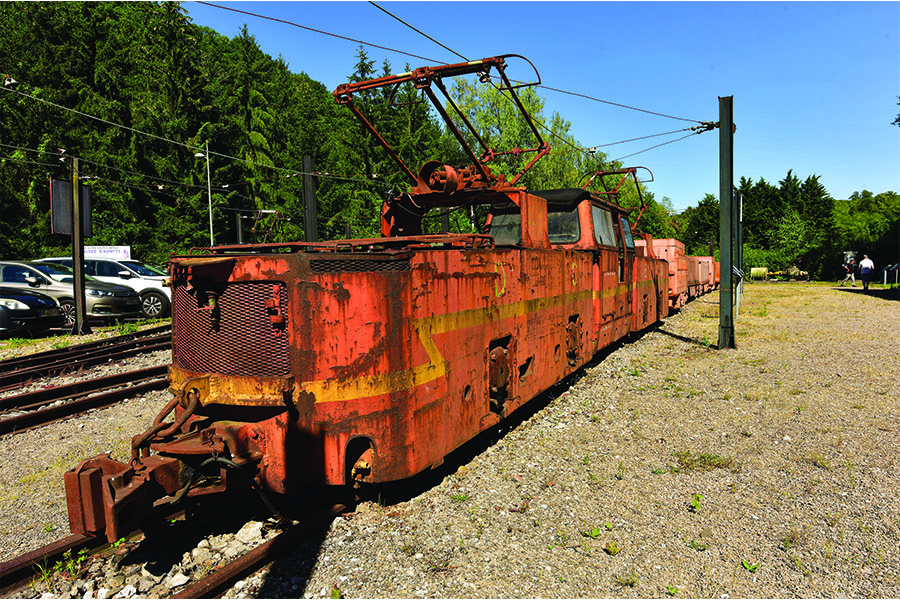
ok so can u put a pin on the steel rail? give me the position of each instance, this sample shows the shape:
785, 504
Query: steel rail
16, 571
73, 350
73, 391
218, 581
42, 416
21, 371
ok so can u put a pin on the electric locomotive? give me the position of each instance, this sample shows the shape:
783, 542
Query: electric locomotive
359, 361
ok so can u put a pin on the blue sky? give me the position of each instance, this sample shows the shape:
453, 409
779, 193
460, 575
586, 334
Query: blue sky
815, 84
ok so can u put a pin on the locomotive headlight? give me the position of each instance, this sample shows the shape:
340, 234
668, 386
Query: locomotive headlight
12, 304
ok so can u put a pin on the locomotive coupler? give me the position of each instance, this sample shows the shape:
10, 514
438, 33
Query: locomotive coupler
104, 495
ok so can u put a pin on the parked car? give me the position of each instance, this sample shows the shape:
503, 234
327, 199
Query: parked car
104, 300
147, 280
28, 311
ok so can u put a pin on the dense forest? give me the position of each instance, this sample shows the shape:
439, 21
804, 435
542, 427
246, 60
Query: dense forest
136, 91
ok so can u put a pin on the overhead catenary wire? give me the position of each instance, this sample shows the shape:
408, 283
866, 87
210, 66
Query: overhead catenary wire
432, 60
334, 35
375, 4
576, 94
293, 172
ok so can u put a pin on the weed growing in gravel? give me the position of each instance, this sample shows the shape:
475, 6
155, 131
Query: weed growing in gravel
792, 538
127, 328
611, 548
409, 549
49, 527
591, 533
460, 498
45, 575
798, 564
70, 566
695, 503
817, 460
13, 343
61, 342
620, 472
442, 566
695, 545
752, 567
671, 590
561, 537
704, 462
850, 469
629, 580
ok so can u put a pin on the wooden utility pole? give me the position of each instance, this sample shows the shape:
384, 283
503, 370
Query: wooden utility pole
726, 214
80, 327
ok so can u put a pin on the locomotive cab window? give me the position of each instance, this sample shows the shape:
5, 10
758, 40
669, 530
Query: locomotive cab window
626, 233
563, 227
506, 228
603, 226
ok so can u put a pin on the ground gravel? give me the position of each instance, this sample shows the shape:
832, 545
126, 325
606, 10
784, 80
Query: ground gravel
669, 468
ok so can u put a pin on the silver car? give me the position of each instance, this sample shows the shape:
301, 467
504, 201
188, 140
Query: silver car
104, 300
147, 280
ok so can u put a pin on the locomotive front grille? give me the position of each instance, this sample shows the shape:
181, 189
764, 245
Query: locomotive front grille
231, 331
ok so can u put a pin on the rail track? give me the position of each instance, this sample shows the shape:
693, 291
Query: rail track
31, 409
17, 573
15, 372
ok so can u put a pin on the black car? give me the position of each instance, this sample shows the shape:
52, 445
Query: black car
28, 311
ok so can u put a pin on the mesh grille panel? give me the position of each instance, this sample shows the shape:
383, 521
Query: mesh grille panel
243, 342
357, 266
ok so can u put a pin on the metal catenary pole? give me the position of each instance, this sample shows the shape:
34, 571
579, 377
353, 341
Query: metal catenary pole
726, 204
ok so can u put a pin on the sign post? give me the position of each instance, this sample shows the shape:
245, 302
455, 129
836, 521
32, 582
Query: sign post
80, 327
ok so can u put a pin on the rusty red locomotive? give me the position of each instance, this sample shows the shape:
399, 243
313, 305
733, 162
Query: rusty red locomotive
369, 360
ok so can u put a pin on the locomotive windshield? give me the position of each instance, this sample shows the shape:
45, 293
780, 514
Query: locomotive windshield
603, 226
506, 228
563, 227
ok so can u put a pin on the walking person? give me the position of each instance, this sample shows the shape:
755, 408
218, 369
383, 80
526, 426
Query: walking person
866, 269
849, 273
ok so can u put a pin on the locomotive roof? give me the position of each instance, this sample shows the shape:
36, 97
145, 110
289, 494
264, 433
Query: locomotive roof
563, 199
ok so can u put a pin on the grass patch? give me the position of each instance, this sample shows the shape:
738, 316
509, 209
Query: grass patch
704, 461
816, 459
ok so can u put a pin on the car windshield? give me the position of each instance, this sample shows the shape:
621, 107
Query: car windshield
56, 272
143, 268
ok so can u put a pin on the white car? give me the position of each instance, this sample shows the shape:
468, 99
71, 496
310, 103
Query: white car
146, 280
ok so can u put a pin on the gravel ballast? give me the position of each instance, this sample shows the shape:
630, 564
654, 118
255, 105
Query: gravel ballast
669, 468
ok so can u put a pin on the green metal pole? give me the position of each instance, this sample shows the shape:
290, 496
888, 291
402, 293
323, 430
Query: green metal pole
726, 214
